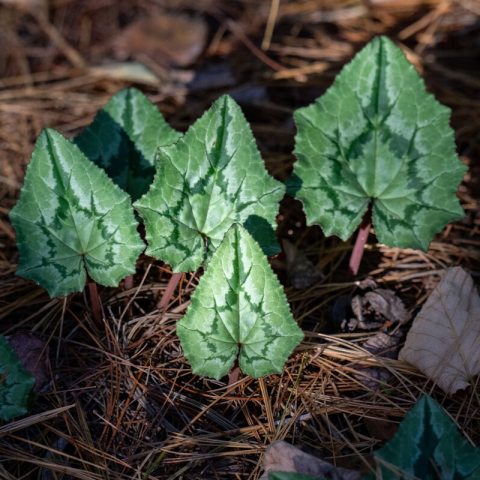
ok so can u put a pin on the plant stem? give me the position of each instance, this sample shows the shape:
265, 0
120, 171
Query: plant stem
359, 247
167, 294
95, 303
233, 374
128, 282
128, 285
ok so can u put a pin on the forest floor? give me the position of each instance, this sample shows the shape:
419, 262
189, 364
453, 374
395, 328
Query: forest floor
120, 400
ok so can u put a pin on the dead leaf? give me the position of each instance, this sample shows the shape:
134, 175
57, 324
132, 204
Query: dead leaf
283, 457
383, 345
165, 38
380, 308
134, 72
385, 303
444, 340
29, 6
32, 352
301, 272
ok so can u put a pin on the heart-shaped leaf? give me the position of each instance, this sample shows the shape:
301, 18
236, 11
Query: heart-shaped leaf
377, 136
428, 445
123, 139
15, 383
211, 178
71, 219
238, 309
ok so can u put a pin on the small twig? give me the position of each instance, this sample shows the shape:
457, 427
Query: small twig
359, 247
237, 32
56, 37
272, 18
167, 294
132, 298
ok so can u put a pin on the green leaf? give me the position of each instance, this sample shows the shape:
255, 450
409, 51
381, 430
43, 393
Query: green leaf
123, 139
72, 220
428, 445
211, 178
291, 476
15, 383
238, 309
377, 136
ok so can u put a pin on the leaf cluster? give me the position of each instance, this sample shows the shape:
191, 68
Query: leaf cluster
375, 138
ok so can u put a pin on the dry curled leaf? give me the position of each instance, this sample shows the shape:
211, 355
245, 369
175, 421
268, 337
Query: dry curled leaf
385, 303
166, 38
444, 341
301, 271
381, 345
380, 308
29, 6
283, 457
32, 352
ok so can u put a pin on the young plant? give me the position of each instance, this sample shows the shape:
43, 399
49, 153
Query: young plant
16, 383
377, 138
238, 310
210, 179
72, 221
123, 140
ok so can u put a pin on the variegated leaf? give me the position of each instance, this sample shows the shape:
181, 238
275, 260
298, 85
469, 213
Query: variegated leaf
211, 178
377, 136
123, 139
72, 220
16, 383
427, 446
239, 310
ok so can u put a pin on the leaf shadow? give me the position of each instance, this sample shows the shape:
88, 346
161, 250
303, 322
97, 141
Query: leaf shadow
107, 144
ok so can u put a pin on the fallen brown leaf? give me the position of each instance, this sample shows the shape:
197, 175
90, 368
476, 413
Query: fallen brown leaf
283, 457
167, 39
444, 341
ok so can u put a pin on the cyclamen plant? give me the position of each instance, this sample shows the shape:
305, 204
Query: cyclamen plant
375, 137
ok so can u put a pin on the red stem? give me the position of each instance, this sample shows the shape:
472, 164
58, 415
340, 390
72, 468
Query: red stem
359, 247
233, 374
128, 283
168, 293
95, 303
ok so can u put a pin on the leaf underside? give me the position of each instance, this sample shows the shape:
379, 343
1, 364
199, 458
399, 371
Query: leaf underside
15, 383
211, 178
239, 310
377, 136
71, 219
428, 445
123, 140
